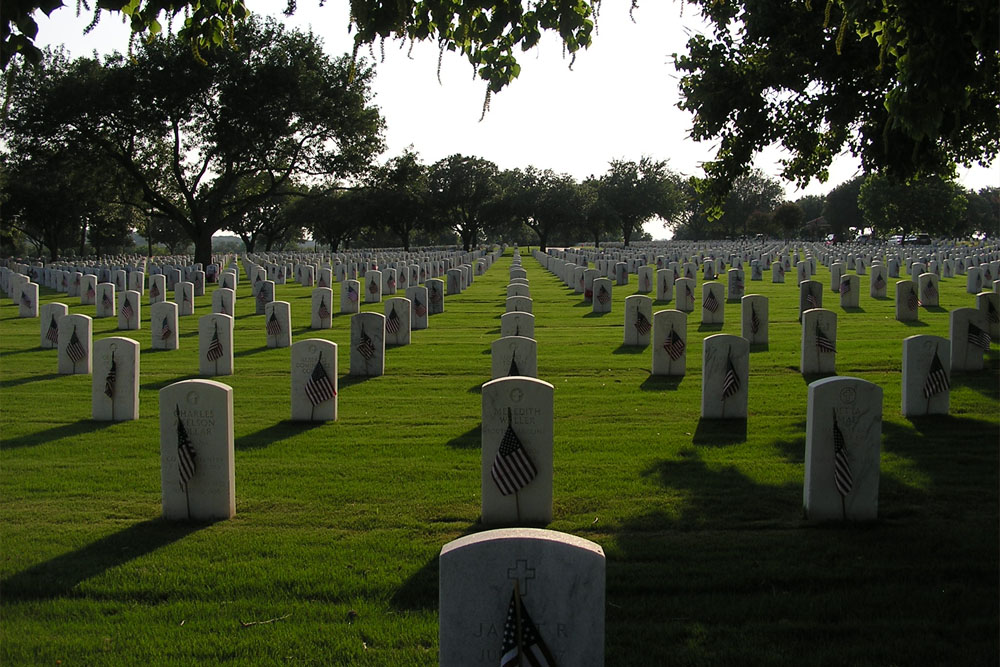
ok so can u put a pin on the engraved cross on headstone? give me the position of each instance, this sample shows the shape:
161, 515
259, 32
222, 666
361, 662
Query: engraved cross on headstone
521, 573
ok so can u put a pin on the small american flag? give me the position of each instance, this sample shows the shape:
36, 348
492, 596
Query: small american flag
588, 294
185, 454
645, 283
978, 337
522, 645
373, 287
930, 291
111, 378
754, 320
912, 302
419, 309
738, 285
711, 303
731, 382
90, 292
392, 322
512, 468
127, 311
214, 347
273, 327
435, 296
323, 312
25, 301
106, 300
602, 296
319, 388
75, 349
352, 294
642, 325
842, 476
154, 291
322, 281
185, 297
991, 312
222, 307
688, 294
937, 379
365, 347
391, 283
811, 301
879, 283
674, 345
53, 332
261, 295
845, 286
165, 331
781, 270
581, 283
823, 342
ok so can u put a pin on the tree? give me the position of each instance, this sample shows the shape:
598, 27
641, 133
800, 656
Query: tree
910, 88
334, 217
465, 193
267, 221
191, 135
982, 213
751, 193
549, 204
811, 205
788, 217
933, 205
841, 209
635, 192
400, 196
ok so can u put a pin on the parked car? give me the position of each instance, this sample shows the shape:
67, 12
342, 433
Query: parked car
896, 240
918, 239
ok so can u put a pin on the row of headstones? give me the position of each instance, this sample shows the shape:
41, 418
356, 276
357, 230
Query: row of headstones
515, 353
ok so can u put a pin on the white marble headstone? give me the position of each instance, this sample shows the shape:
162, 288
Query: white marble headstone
368, 344
514, 355
397, 321
754, 318
49, 317
314, 380
75, 344
669, 342
926, 376
517, 324
215, 344
725, 370
114, 386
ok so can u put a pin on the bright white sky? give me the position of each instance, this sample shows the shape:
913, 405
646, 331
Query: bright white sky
618, 101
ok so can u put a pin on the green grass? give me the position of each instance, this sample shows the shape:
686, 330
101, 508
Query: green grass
338, 526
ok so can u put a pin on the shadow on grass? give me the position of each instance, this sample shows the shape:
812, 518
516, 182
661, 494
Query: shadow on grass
476, 388
630, 349
809, 378
55, 433
915, 323
760, 347
58, 576
661, 383
710, 327
471, 439
419, 592
275, 433
6, 384
347, 381
250, 351
583, 304
156, 386
935, 309
854, 309
593, 314
720, 432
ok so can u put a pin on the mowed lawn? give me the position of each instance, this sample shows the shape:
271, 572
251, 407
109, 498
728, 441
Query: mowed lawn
332, 556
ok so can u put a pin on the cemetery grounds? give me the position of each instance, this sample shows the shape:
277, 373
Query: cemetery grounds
332, 556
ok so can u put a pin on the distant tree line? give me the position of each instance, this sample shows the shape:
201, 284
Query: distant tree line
276, 141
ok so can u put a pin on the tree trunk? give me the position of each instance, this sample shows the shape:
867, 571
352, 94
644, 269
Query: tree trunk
203, 246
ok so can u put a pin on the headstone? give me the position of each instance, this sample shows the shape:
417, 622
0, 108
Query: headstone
314, 380
737, 285
685, 294
397, 321
837, 270
926, 376
818, 353
435, 295
802, 271
118, 279
350, 296
669, 342
368, 344
645, 279
849, 290
517, 289
843, 434
665, 285
988, 303
725, 372
184, 298
973, 280
516, 471
417, 294
550, 585
518, 304
810, 296
173, 276
754, 318
198, 281
114, 387
514, 355
105, 300
157, 288
197, 469
928, 286
878, 284
75, 345
215, 344
278, 324
970, 339
517, 324
321, 308
389, 281
163, 322
638, 324
129, 313
603, 298
88, 290
777, 272
713, 303
224, 301
50, 316
907, 301
454, 281
263, 291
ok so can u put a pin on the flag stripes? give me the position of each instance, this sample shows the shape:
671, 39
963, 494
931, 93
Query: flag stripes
512, 468
319, 388
185, 454
75, 349
842, 475
215, 346
111, 378
937, 378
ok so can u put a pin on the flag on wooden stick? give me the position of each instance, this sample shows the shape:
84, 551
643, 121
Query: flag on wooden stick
366, 347
215, 346
731, 382
674, 345
392, 322
165, 331
52, 334
319, 388
273, 327
127, 311
111, 378
185, 454
642, 325
823, 342
842, 476
711, 303
75, 349
937, 378
512, 468
522, 645
979, 337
